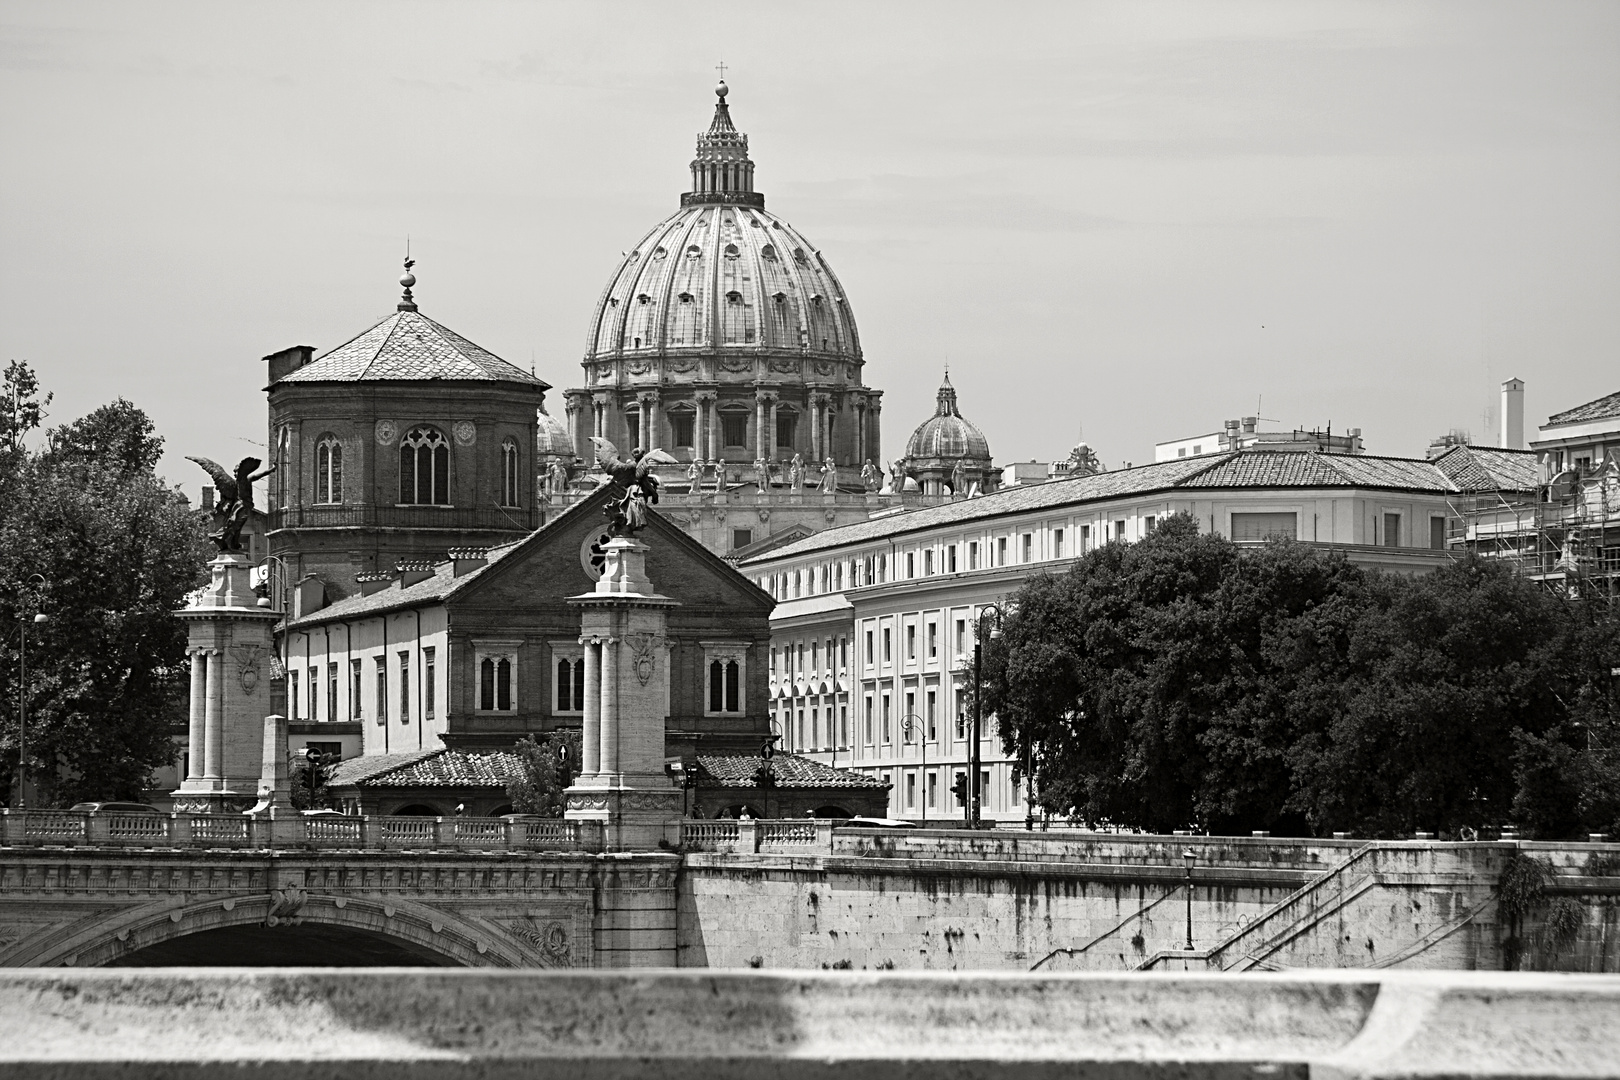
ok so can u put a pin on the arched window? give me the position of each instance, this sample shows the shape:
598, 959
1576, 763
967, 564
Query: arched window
495, 684
283, 478
328, 470
424, 467
509, 473
571, 684
725, 686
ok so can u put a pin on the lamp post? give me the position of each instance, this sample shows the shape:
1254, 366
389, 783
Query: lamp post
908, 723
992, 613
1191, 857
21, 800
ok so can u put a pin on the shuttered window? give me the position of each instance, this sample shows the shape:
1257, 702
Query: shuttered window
1265, 526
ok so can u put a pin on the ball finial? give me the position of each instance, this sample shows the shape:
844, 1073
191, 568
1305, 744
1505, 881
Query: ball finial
721, 90
407, 279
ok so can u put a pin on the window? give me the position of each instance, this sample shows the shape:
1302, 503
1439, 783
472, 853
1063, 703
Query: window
1148, 523
632, 424
950, 559
911, 642
1265, 526
1437, 533
933, 787
495, 683
786, 422
1119, 531
961, 636
815, 656
843, 652
283, 478
404, 687
1057, 543
928, 561
933, 640
911, 789
725, 686
570, 684
1181, 451
961, 717
866, 736
800, 732
741, 538
911, 712
869, 646
1029, 548
932, 715
1001, 551
356, 690
1392, 530
314, 693
329, 470
681, 425
382, 688
888, 645
843, 725
292, 695
734, 428
886, 716
911, 564
424, 467
1085, 538
509, 473
973, 555
331, 691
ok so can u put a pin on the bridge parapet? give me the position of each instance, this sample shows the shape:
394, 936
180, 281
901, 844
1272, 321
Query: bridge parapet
70, 828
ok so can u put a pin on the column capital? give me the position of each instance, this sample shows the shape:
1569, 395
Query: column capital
705, 395
766, 396
600, 398
647, 397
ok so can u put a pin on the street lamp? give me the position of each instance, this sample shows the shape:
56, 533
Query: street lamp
22, 694
993, 615
908, 722
1191, 857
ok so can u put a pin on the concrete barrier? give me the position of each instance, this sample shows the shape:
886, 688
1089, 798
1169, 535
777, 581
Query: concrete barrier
413, 1024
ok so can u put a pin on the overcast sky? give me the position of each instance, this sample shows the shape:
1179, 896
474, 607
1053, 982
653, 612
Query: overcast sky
1134, 220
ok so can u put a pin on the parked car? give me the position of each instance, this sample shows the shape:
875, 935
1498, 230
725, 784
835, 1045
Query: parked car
877, 823
117, 807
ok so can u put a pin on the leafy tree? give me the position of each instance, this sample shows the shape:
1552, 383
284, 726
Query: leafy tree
21, 408
117, 551
547, 767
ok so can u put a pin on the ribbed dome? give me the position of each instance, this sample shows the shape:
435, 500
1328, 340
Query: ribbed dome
945, 435
711, 278
552, 437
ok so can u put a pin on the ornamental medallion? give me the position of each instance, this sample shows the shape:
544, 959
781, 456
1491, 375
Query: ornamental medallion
466, 432
387, 432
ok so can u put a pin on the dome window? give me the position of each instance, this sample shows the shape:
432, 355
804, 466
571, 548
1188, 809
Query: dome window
768, 252
686, 298
754, 221
734, 296
660, 253
644, 298
694, 252
635, 255
815, 298
731, 251
798, 256
613, 301
779, 297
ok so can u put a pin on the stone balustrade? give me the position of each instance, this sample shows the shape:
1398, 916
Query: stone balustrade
73, 828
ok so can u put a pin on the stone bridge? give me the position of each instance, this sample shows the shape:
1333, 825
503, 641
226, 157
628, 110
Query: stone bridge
124, 890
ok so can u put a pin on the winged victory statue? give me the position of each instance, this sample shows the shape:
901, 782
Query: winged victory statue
634, 486
235, 504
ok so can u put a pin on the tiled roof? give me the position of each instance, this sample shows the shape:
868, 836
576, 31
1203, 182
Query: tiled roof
440, 585
446, 769
1250, 468
792, 771
1601, 409
409, 345
1489, 468
355, 770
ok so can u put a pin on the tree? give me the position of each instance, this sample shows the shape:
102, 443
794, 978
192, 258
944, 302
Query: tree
118, 551
546, 769
23, 408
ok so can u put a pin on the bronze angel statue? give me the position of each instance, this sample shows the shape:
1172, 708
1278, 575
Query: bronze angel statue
235, 504
634, 486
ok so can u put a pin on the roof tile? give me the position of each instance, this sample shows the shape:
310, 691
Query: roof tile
1601, 409
409, 345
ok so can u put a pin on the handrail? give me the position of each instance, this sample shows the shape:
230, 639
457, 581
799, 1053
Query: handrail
1137, 914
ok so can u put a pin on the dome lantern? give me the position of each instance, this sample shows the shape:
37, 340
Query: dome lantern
948, 452
722, 171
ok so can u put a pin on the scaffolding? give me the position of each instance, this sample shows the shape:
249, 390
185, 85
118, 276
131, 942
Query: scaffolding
1564, 533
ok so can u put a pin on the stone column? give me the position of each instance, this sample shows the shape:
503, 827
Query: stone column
860, 433
815, 426
590, 736
874, 431
761, 445
707, 441
651, 420
214, 718
610, 704
770, 428
196, 736
828, 446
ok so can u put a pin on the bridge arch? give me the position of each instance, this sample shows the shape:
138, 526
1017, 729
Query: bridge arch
448, 938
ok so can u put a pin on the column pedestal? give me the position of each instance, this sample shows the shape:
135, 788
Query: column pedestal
624, 785
229, 637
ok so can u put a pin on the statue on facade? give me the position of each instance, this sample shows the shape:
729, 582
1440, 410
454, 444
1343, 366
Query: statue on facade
694, 476
795, 475
634, 486
557, 477
871, 479
762, 475
829, 477
719, 477
897, 475
959, 478
235, 504
1083, 461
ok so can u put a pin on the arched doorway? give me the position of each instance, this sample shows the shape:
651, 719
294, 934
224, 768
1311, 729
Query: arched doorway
307, 945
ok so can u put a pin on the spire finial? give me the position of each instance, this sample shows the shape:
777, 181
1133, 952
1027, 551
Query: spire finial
720, 89
407, 279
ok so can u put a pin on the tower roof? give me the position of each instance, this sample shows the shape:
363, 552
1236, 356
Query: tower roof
409, 345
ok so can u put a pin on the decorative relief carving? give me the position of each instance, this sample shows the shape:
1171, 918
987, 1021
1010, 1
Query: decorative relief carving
682, 364
466, 432
736, 363
285, 905
643, 658
247, 665
786, 367
387, 432
824, 367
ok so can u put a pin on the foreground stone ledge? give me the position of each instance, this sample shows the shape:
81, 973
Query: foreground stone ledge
408, 1024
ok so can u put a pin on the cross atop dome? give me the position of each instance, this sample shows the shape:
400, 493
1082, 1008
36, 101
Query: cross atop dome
722, 171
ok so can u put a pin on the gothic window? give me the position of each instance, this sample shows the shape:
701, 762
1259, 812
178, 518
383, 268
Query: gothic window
727, 663
734, 428
283, 479
509, 473
424, 467
328, 470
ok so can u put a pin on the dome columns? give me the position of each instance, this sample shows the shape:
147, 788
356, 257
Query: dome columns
707, 436
651, 420
765, 405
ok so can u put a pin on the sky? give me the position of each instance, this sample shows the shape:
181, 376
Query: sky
1123, 222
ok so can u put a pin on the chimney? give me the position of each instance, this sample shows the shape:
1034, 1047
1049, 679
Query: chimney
411, 573
1513, 414
466, 560
287, 361
372, 582
208, 497
1232, 434
309, 596
1250, 424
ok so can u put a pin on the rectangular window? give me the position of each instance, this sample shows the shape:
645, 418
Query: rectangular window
950, 559
843, 725
961, 718
933, 711
933, 788
911, 709
1149, 524
984, 788
356, 691
1029, 548
404, 687
1437, 533
1001, 551
973, 555
632, 423
680, 426
933, 640
785, 429
1119, 531
961, 636
734, 429
869, 659
815, 656
741, 538
888, 646
292, 695
911, 564
843, 652
802, 732
911, 790
1392, 530
1057, 543
1085, 538
1265, 526
886, 716
866, 735
429, 685
314, 693
382, 688
332, 692
928, 561
911, 642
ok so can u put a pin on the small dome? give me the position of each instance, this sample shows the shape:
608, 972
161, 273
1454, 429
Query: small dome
552, 438
946, 436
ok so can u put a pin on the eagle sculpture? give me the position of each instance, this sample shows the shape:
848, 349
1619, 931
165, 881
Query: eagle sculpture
634, 485
235, 504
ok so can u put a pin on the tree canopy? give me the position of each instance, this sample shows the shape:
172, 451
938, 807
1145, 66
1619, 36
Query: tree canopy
1184, 682
92, 539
